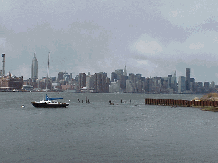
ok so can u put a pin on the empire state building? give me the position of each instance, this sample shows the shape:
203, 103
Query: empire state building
34, 68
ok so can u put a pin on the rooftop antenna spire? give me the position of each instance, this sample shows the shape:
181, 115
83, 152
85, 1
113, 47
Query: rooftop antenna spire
125, 72
47, 71
48, 64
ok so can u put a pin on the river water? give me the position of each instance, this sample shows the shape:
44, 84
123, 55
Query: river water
99, 132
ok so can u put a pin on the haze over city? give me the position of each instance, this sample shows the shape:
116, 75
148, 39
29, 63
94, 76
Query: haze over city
154, 38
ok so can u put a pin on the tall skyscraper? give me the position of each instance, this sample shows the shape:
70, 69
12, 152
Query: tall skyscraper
60, 76
34, 68
174, 82
104, 78
113, 76
125, 72
82, 80
119, 72
187, 79
181, 84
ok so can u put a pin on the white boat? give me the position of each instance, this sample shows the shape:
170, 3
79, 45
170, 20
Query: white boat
49, 103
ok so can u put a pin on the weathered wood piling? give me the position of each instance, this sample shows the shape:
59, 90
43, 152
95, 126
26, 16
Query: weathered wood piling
184, 103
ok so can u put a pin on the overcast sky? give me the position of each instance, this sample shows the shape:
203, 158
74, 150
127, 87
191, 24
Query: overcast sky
152, 37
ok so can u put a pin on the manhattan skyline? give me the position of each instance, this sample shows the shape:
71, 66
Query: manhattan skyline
153, 38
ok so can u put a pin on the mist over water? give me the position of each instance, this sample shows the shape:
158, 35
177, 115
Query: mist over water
99, 132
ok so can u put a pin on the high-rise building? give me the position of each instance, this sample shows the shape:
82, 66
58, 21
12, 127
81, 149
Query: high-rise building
174, 82
187, 82
181, 84
148, 85
125, 72
123, 82
192, 85
101, 82
130, 88
82, 80
212, 84
60, 76
206, 86
34, 68
119, 71
132, 77
138, 77
98, 82
199, 87
104, 76
66, 77
89, 82
113, 76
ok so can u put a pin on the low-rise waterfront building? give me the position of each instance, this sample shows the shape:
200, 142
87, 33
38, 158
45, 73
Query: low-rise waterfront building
11, 82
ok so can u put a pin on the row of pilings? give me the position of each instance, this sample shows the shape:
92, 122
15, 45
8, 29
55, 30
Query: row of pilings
184, 103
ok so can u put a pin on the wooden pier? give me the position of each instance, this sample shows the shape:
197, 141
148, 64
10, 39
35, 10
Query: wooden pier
183, 103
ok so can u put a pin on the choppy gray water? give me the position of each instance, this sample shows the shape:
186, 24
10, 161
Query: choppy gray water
99, 132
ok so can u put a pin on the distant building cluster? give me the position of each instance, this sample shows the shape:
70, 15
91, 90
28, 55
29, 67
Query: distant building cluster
101, 83
119, 81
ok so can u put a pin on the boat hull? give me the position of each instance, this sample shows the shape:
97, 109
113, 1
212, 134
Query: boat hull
49, 105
